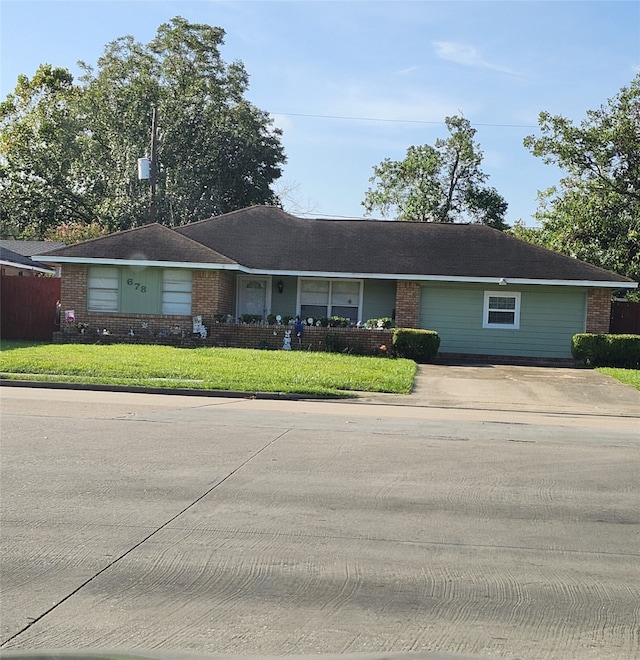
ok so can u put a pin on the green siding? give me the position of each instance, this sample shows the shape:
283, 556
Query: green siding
141, 290
379, 299
549, 317
284, 303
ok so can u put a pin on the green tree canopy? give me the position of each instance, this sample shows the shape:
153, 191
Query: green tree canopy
440, 183
68, 151
594, 213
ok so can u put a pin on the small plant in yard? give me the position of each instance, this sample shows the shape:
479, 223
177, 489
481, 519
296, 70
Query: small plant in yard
251, 319
383, 323
382, 351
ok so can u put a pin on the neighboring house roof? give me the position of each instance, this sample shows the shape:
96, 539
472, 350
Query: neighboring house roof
265, 239
30, 248
149, 243
19, 261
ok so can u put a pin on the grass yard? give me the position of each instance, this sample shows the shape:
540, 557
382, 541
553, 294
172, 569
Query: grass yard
626, 376
244, 370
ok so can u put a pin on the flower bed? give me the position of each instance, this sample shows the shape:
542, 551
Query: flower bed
358, 341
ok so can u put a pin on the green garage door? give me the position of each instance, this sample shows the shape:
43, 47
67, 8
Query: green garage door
547, 318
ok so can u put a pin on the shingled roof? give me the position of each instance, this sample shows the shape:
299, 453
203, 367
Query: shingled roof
152, 242
30, 248
267, 239
16, 260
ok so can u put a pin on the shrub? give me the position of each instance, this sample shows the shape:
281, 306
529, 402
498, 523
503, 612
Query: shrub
418, 345
251, 318
284, 320
339, 322
607, 350
383, 323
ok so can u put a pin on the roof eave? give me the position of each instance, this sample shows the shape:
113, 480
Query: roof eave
445, 278
610, 284
95, 261
19, 266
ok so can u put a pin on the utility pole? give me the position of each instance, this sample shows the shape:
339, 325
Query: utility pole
148, 167
154, 163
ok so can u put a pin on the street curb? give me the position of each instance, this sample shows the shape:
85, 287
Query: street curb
173, 391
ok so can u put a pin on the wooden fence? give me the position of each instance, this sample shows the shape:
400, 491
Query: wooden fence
625, 318
28, 307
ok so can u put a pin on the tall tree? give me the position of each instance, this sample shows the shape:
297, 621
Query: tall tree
440, 183
594, 213
216, 151
39, 149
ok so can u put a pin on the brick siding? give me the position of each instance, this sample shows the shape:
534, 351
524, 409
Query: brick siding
407, 304
73, 289
213, 292
348, 340
598, 311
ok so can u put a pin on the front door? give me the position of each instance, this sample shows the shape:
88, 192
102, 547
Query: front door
253, 296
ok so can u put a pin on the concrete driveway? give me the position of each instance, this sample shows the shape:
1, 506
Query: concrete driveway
238, 526
511, 388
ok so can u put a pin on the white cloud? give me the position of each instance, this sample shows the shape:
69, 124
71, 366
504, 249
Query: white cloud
466, 55
407, 71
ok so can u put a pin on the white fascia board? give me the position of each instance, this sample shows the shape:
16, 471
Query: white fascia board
442, 278
136, 262
515, 281
13, 264
334, 275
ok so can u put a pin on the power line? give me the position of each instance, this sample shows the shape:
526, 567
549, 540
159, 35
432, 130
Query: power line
332, 216
395, 121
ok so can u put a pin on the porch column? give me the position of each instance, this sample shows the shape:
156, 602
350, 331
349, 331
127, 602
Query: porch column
598, 311
212, 293
407, 304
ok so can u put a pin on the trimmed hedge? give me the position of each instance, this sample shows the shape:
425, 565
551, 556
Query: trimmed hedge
418, 345
607, 350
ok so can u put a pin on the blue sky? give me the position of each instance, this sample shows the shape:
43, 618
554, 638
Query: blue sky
352, 83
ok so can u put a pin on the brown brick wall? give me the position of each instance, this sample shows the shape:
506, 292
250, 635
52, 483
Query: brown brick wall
213, 292
598, 311
407, 304
73, 290
352, 340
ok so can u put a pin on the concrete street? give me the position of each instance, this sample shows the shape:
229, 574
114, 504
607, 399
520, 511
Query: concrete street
493, 512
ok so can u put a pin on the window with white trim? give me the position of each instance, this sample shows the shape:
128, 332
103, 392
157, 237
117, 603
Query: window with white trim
176, 291
501, 310
139, 291
327, 298
102, 288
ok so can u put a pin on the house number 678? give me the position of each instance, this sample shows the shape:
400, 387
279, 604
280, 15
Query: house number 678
139, 287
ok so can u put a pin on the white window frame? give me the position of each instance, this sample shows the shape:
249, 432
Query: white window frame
487, 309
103, 285
177, 292
103, 291
329, 304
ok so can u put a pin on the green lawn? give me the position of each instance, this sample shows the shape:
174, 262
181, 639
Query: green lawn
626, 376
243, 370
